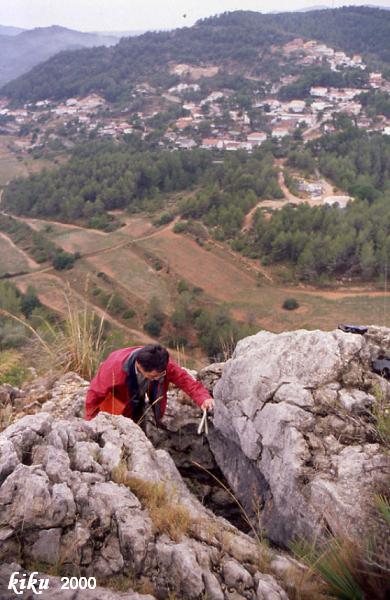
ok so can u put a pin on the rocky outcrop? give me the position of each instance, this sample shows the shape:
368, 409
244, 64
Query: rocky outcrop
82, 496
294, 434
294, 430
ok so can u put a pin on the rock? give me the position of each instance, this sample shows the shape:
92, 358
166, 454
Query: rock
212, 586
69, 498
178, 568
233, 572
286, 434
47, 546
268, 589
355, 401
210, 375
8, 459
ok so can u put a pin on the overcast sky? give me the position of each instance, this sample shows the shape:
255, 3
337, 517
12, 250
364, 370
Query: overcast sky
124, 15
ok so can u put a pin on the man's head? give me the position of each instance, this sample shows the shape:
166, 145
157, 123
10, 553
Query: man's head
152, 361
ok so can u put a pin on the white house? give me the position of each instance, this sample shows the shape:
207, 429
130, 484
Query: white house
280, 132
318, 91
297, 106
342, 201
257, 137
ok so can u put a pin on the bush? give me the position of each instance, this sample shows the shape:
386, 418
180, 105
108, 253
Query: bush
129, 313
63, 260
180, 227
182, 286
163, 219
29, 302
153, 327
290, 304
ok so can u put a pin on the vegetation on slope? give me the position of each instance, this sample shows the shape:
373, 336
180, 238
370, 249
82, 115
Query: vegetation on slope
240, 38
103, 176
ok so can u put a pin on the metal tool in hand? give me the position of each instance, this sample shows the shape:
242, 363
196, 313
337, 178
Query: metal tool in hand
203, 423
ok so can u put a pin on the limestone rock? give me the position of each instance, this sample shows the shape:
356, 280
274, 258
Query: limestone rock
68, 498
293, 432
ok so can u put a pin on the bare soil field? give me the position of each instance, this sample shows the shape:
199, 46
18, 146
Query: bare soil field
52, 292
132, 273
78, 239
11, 166
12, 259
252, 292
218, 277
135, 227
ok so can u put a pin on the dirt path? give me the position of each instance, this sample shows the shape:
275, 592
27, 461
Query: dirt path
248, 219
53, 303
312, 133
289, 198
335, 294
126, 243
30, 262
31, 222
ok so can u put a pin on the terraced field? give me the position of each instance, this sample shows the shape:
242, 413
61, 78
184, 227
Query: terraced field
12, 259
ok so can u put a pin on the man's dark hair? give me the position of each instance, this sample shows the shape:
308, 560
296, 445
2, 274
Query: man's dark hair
153, 357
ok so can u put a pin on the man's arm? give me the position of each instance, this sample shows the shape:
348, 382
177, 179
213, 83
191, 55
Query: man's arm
197, 392
92, 403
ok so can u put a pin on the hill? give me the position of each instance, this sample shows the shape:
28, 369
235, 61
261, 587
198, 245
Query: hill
21, 50
8, 30
241, 41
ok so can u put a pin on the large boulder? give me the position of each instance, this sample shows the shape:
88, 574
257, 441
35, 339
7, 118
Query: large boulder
96, 499
294, 430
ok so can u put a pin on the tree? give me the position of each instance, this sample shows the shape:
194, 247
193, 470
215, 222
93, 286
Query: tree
29, 302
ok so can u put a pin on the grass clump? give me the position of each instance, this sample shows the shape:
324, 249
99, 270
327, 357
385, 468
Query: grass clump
12, 369
80, 341
76, 343
168, 516
351, 570
126, 582
381, 413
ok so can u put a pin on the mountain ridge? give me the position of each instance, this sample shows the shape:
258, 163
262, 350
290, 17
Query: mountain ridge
238, 38
21, 51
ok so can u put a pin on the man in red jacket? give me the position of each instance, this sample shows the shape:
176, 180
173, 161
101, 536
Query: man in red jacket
123, 379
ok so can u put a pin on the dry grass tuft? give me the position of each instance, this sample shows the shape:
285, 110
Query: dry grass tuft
126, 582
304, 585
168, 516
80, 342
381, 412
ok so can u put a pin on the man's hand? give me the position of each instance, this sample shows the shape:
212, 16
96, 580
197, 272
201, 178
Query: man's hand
208, 404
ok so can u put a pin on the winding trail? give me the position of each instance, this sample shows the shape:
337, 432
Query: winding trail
289, 197
30, 262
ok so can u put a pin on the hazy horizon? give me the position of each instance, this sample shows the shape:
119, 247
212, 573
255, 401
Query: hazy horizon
120, 15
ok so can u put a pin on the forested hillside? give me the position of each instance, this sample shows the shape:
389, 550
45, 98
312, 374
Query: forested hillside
240, 39
326, 242
103, 176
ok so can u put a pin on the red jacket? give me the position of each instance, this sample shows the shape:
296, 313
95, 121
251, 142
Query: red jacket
111, 378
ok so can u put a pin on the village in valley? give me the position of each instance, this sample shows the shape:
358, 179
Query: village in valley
184, 117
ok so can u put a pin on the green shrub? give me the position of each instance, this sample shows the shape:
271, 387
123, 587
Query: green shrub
290, 304
63, 260
163, 219
129, 313
182, 286
153, 327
